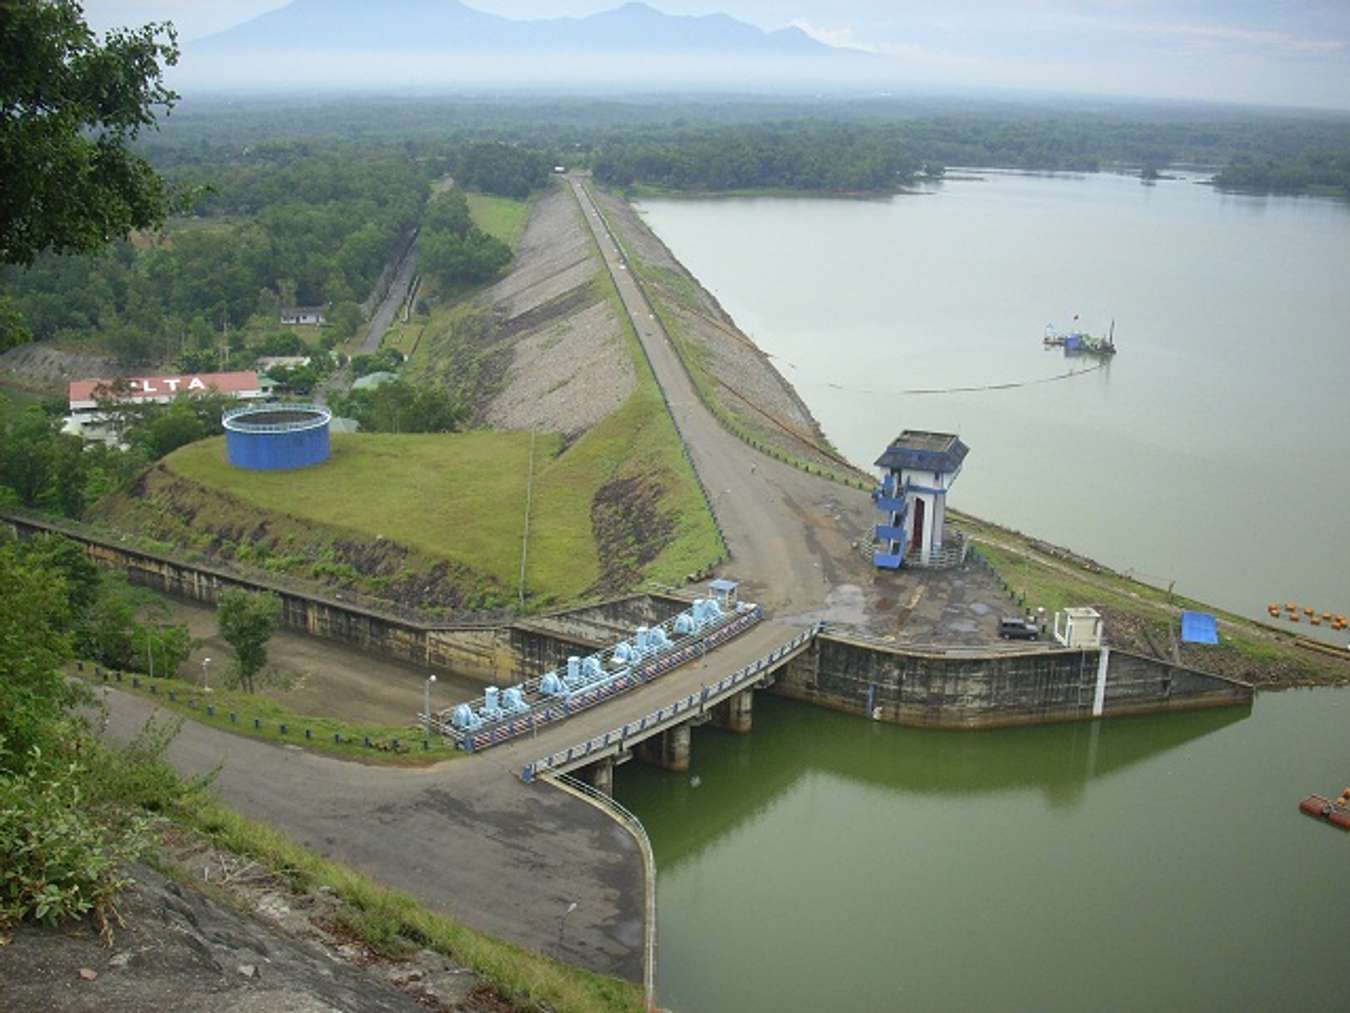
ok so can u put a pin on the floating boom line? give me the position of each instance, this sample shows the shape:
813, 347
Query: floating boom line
976, 389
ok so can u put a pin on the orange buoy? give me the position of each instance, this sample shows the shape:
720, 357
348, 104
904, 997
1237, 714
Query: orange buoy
1307, 612
1327, 616
1293, 617
1292, 606
1314, 621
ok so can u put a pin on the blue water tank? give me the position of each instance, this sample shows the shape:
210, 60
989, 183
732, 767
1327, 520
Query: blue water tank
277, 437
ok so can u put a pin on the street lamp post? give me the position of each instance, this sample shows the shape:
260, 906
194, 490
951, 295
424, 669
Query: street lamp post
426, 708
206, 686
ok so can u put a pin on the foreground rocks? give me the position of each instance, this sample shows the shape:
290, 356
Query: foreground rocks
228, 937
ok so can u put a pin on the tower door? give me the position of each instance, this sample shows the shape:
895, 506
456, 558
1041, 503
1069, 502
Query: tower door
916, 539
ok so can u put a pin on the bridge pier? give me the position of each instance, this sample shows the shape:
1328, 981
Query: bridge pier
600, 775
734, 713
668, 750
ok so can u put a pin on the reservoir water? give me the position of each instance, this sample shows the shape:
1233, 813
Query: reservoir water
1213, 451
824, 862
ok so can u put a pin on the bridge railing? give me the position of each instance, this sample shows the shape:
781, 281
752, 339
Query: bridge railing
692, 702
634, 826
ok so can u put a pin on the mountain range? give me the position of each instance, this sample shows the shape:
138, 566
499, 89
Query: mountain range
444, 43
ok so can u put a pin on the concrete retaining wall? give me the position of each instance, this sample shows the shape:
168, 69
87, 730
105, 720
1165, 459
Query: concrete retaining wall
498, 653
984, 690
945, 690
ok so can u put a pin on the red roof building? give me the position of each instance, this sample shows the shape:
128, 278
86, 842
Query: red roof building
85, 394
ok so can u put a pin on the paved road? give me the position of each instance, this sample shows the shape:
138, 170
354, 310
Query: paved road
790, 533
393, 299
466, 837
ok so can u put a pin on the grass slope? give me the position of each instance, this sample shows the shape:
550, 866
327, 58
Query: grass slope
502, 217
459, 497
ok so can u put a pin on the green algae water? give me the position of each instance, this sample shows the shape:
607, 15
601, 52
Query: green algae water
1210, 452
824, 862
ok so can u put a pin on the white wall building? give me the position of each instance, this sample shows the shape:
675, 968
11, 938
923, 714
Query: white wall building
917, 469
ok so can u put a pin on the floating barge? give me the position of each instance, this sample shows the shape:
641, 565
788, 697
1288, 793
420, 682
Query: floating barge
1334, 811
1080, 342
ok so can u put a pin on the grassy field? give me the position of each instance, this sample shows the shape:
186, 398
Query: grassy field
402, 337
502, 217
327, 735
458, 496
461, 497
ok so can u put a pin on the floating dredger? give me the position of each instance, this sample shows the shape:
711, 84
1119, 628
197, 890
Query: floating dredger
1075, 342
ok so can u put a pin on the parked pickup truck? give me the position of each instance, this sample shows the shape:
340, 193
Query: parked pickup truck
1018, 629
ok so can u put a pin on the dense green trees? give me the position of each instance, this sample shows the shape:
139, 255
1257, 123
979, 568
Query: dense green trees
70, 814
283, 225
510, 170
402, 407
455, 251
42, 467
70, 107
805, 156
1314, 170
875, 153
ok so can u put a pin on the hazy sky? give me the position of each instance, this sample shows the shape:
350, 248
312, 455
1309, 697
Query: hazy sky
1279, 52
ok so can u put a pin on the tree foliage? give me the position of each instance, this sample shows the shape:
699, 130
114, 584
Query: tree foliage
247, 621
509, 170
281, 224
42, 467
1313, 170
70, 107
402, 407
453, 249
35, 640
72, 811
806, 156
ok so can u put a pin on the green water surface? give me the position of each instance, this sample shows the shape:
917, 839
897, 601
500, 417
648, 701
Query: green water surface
824, 862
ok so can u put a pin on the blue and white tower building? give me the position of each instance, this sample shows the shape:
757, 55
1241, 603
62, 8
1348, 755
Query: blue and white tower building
917, 469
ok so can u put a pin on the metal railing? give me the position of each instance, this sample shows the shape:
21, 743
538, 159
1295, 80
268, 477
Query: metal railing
943, 559
319, 415
634, 826
692, 702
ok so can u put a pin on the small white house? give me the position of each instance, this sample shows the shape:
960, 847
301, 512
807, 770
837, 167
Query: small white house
302, 315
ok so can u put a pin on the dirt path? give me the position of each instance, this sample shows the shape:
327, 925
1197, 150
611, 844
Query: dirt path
328, 679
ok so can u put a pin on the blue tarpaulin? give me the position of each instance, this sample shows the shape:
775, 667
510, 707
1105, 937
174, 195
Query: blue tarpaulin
1199, 628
